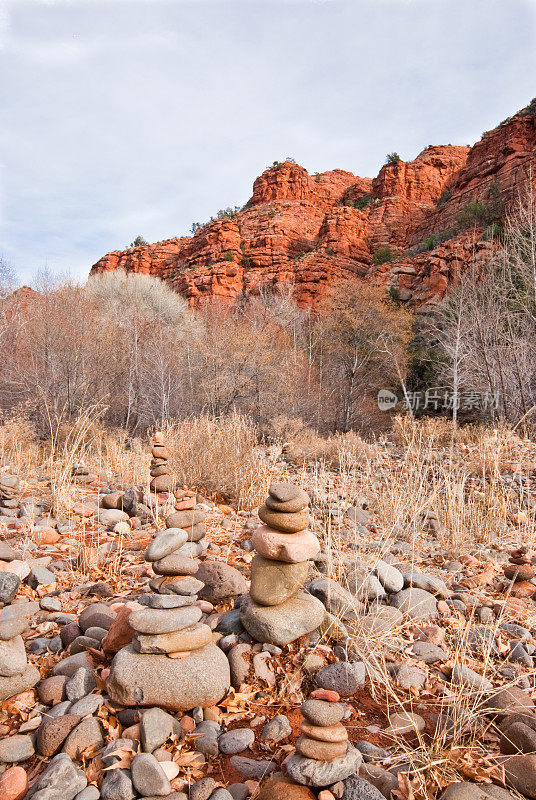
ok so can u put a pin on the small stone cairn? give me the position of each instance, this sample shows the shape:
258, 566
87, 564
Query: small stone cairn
277, 610
9, 487
172, 655
162, 480
323, 753
16, 675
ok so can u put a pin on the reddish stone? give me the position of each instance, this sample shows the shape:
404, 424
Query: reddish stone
523, 589
283, 789
13, 784
325, 694
185, 503
520, 572
120, 633
83, 511
45, 536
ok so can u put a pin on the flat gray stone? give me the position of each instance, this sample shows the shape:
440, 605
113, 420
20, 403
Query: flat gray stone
11, 627
165, 543
201, 679
415, 603
16, 748
344, 677
253, 768
156, 726
9, 585
117, 785
154, 620
19, 683
60, 779
285, 623
166, 601
356, 788
310, 772
235, 741
12, 657
389, 576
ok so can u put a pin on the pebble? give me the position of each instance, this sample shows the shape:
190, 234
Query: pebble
148, 776
344, 677
356, 788
222, 581
60, 779
285, 623
252, 768
11, 627
203, 789
166, 601
117, 785
415, 603
86, 735
16, 748
235, 741
323, 773
276, 729
156, 727
80, 684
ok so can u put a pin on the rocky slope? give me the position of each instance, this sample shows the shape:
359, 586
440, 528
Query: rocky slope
310, 230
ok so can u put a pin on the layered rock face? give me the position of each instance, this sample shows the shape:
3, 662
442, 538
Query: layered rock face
310, 230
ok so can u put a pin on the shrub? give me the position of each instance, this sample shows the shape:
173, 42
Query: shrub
227, 213
330, 251
245, 262
443, 197
431, 242
228, 256
383, 255
138, 242
392, 158
483, 212
493, 231
359, 202
195, 226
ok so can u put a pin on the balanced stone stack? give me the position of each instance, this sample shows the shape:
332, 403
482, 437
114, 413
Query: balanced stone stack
9, 487
162, 480
191, 520
277, 610
323, 753
172, 661
16, 675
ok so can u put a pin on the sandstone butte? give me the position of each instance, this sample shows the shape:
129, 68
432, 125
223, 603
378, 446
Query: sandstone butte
298, 229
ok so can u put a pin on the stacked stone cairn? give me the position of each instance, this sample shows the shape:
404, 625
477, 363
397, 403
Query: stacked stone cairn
16, 675
323, 753
161, 478
9, 487
277, 610
171, 645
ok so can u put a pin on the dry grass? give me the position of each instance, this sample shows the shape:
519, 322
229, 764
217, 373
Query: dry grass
220, 455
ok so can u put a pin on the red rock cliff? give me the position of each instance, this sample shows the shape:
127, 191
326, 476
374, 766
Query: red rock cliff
309, 230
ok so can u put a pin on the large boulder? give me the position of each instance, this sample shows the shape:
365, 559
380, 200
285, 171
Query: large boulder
285, 623
201, 679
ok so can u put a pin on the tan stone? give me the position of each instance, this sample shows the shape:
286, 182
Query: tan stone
273, 582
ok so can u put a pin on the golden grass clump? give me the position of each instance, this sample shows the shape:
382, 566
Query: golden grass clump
220, 455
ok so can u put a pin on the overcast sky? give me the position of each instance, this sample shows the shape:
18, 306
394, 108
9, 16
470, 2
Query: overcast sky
127, 117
